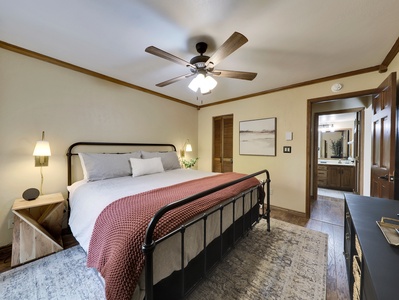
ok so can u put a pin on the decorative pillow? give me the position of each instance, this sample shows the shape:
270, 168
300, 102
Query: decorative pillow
99, 166
170, 161
148, 166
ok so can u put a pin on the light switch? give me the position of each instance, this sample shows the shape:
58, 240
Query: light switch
288, 136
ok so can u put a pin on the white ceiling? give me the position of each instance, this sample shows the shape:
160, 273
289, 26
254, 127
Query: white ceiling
289, 41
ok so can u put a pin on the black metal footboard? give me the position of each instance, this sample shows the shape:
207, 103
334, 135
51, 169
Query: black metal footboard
218, 248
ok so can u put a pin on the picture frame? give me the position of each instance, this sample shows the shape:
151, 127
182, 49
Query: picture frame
258, 137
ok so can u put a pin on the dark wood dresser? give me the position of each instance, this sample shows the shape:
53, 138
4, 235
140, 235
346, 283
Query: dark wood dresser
372, 263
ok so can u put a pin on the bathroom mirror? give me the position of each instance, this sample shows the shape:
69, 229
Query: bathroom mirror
336, 145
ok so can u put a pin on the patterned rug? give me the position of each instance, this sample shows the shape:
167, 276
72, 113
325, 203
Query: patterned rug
290, 262
62, 275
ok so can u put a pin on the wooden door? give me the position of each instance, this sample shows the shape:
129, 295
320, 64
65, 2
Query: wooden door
223, 144
357, 134
383, 140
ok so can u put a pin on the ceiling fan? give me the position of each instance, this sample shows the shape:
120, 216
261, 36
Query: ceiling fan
203, 66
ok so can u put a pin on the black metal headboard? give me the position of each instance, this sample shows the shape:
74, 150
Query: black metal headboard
70, 151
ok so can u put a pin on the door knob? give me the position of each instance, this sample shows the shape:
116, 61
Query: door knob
385, 177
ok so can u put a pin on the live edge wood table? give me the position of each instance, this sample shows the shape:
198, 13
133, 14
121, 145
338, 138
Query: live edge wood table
37, 228
372, 263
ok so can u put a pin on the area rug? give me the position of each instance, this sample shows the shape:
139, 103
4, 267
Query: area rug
63, 275
290, 262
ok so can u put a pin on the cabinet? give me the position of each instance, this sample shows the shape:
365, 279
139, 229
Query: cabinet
336, 177
322, 176
371, 262
37, 234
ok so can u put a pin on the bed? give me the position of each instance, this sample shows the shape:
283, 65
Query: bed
151, 228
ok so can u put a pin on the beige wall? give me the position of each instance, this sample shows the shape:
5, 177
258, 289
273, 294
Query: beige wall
71, 107
290, 108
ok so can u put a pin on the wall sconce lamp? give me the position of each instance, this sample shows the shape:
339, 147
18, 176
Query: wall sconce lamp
186, 148
326, 128
42, 153
203, 82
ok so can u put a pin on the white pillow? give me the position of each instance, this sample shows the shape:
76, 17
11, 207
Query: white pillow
170, 161
148, 166
99, 166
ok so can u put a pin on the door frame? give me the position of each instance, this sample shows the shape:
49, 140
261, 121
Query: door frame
311, 156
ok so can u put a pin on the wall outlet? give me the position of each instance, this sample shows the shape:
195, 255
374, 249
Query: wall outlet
287, 149
11, 223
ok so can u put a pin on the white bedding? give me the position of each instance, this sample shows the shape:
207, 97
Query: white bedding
88, 199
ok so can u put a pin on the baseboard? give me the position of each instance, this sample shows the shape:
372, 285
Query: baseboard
286, 210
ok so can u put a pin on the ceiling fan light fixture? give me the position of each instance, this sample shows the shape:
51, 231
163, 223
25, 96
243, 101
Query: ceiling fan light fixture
203, 65
203, 82
210, 82
205, 90
196, 83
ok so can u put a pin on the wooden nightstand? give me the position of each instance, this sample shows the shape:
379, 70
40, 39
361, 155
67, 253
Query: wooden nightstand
35, 237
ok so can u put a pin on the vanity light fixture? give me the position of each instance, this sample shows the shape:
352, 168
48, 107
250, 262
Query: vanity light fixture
326, 127
42, 153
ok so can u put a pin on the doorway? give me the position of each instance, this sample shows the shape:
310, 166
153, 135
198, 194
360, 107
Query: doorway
337, 151
358, 103
337, 164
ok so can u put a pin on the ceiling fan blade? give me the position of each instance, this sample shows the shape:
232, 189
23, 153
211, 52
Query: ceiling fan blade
163, 54
235, 41
173, 80
235, 74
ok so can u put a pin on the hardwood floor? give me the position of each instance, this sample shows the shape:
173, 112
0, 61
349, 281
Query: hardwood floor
327, 216
5, 258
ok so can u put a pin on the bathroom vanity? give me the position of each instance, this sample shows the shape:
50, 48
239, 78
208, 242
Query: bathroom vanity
336, 174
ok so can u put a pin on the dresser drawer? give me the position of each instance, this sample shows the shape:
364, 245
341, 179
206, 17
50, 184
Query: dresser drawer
322, 182
321, 168
322, 174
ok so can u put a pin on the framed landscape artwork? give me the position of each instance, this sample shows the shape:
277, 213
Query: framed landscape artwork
258, 137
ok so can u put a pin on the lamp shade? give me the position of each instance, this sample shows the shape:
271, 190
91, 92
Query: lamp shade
203, 82
42, 148
210, 82
196, 83
189, 148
